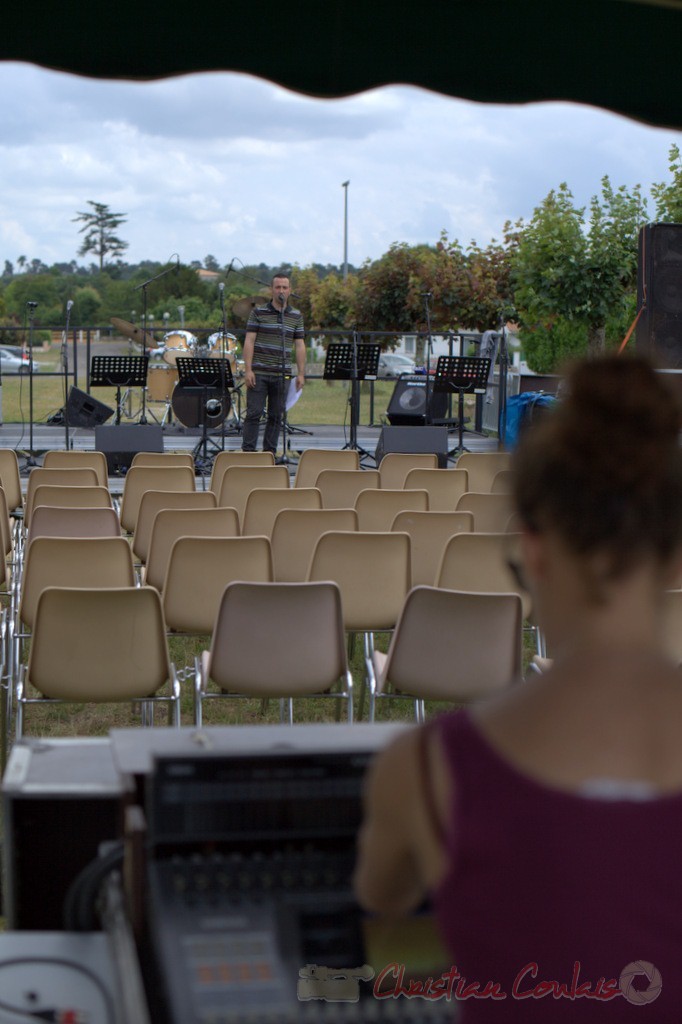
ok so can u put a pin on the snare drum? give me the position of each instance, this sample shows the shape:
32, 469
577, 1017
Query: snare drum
178, 343
160, 383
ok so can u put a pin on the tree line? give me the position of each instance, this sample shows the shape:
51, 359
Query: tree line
568, 276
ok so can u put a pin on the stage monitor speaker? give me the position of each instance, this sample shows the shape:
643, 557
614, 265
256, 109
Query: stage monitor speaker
407, 406
85, 411
659, 294
422, 440
120, 444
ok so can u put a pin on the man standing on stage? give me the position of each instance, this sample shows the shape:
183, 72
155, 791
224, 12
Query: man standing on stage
270, 332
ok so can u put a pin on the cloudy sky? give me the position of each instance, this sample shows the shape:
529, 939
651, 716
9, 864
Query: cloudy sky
233, 166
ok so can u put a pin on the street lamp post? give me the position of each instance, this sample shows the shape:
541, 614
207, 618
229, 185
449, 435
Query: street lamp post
344, 186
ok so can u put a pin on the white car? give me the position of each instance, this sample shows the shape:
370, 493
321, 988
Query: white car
11, 363
392, 364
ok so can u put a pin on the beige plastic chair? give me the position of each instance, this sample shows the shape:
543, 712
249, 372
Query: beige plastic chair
314, 460
395, 466
295, 534
444, 486
483, 467
140, 479
224, 460
241, 663
239, 481
172, 523
5, 524
491, 511
377, 509
429, 533
263, 505
54, 521
478, 562
199, 569
71, 497
502, 482
57, 459
340, 488
85, 477
10, 480
153, 502
449, 646
99, 646
163, 459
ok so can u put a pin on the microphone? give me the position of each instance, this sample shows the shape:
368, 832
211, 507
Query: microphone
69, 305
221, 287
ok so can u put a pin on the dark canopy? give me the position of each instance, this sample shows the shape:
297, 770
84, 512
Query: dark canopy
620, 54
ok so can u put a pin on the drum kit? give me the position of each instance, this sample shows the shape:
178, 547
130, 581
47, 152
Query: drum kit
162, 380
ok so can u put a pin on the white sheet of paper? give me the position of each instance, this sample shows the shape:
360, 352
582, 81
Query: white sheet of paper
292, 394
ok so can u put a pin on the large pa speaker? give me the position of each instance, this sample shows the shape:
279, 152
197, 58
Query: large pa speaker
407, 406
85, 411
659, 294
120, 444
423, 440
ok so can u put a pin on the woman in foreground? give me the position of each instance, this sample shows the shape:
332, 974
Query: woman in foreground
546, 825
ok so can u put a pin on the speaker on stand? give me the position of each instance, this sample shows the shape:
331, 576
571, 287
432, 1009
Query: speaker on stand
407, 406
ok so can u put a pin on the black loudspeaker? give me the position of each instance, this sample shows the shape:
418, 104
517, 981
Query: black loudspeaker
659, 294
121, 444
85, 411
407, 406
424, 440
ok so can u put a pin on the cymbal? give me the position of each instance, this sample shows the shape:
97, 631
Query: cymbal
134, 333
243, 307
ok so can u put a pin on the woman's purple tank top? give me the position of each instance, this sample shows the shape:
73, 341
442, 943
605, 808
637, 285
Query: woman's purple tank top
557, 906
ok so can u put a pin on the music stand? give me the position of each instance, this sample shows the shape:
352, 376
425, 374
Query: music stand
465, 375
198, 374
354, 362
117, 372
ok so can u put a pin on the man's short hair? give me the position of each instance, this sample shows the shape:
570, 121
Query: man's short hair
281, 273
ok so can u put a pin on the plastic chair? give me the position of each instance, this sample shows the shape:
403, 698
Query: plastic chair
491, 511
314, 460
163, 459
99, 646
377, 509
444, 486
71, 497
151, 478
199, 569
153, 502
482, 468
239, 481
224, 460
172, 523
10, 480
84, 477
55, 521
243, 665
57, 459
429, 533
502, 482
340, 488
478, 562
450, 646
395, 466
263, 505
295, 534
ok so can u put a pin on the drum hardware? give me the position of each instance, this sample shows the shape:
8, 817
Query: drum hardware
128, 330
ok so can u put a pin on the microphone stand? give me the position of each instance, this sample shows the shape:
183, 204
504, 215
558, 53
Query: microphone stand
429, 345
65, 365
30, 461
283, 377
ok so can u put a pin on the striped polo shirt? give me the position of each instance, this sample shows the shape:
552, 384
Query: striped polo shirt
266, 321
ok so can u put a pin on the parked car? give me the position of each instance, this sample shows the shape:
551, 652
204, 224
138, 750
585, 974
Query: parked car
13, 363
392, 364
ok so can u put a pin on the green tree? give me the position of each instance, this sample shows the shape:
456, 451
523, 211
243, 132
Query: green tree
333, 303
668, 196
99, 226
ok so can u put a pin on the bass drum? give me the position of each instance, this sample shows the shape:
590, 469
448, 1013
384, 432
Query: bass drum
187, 405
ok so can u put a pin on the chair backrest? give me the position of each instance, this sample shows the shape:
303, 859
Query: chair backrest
502, 482
5, 524
224, 460
429, 533
83, 477
455, 646
54, 521
377, 509
10, 481
151, 478
163, 459
395, 466
314, 460
239, 481
491, 511
482, 467
62, 459
445, 486
71, 497
373, 574
73, 562
477, 562
295, 534
151, 504
263, 505
199, 569
98, 644
172, 523
340, 488
239, 659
